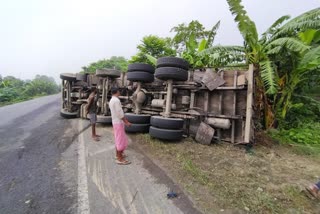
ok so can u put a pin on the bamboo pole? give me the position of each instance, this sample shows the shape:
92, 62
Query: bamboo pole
248, 124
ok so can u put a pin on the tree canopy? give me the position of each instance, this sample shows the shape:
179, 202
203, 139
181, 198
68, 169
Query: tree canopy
13, 89
154, 46
115, 62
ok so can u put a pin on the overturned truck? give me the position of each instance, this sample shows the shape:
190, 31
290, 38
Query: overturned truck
170, 101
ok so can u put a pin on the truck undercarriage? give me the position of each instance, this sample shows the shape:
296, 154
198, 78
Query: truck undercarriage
170, 102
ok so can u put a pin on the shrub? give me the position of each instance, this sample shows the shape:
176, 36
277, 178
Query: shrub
307, 134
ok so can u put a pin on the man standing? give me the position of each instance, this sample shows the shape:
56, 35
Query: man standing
91, 110
118, 121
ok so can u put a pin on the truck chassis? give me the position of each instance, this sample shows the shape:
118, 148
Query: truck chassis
210, 105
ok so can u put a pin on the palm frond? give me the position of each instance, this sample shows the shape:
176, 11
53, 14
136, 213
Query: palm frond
213, 33
220, 48
274, 50
224, 55
292, 44
246, 26
313, 14
225, 59
276, 25
307, 20
268, 76
310, 61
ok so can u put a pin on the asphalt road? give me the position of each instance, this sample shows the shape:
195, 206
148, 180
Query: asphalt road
32, 140
50, 165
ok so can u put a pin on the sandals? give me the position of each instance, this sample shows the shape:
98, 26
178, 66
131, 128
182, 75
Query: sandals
96, 139
314, 193
123, 162
124, 156
120, 158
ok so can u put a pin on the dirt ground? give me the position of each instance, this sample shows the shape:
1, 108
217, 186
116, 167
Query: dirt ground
222, 178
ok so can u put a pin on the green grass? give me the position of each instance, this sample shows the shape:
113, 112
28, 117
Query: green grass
224, 186
306, 150
15, 101
303, 140
187, 164
198, 174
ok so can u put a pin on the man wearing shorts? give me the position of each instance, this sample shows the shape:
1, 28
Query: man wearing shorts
91, 110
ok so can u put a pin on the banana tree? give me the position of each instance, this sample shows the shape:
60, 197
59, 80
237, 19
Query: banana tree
261, 52
309, 62
294, 68
192, 48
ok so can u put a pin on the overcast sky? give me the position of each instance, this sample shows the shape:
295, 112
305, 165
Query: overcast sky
54, 36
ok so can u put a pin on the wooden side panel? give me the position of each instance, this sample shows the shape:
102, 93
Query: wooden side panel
233, 103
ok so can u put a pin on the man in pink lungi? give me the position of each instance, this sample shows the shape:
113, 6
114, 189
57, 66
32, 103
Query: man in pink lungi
118, 122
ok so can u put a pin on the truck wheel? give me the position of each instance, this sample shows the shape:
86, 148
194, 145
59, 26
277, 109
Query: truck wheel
172, 62
104, 119
138, 128
141, 67
138, 118
68, 76
68, 115
81, 77
165, 134
167, 73
140, 76
166, 123
104, 72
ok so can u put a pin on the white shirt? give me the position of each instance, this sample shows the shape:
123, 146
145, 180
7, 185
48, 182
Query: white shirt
116, 110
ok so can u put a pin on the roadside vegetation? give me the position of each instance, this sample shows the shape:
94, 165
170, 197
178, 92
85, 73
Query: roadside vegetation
223, 178
13, 90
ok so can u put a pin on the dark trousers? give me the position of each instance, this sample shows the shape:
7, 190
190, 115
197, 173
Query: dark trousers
318, 185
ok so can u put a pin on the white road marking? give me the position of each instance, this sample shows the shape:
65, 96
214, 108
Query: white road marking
83, 197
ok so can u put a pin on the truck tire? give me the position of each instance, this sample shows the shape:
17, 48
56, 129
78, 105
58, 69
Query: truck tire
172, 62
104, 72
165, 134
68, 76
68, 115
81, 77
140, 76
141, 67
171, 73
166, 123
137, 128
104, 119
138, 118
